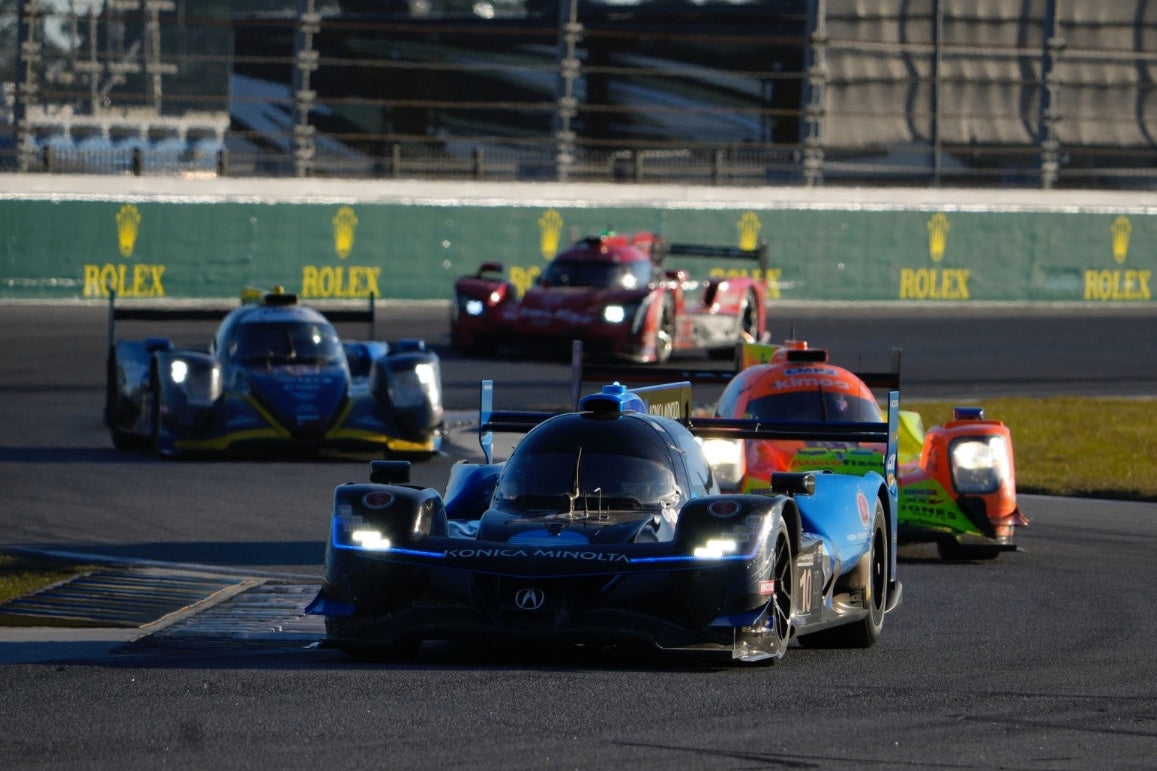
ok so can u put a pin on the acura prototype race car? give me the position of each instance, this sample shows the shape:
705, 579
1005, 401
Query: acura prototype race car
605, 526
957, 481
276, 376
614, 293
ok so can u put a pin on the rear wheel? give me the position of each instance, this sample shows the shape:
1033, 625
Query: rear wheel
874, 577
746, 327
665, 335
783, 573
749, 319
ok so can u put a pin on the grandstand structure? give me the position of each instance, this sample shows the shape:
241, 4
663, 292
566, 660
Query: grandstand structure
973, 93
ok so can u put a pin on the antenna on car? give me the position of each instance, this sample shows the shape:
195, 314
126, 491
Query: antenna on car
573, 495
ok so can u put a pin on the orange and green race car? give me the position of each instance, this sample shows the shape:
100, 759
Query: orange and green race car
957, 480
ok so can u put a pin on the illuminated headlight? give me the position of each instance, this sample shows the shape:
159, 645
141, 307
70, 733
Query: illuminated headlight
202, 385
413, 387
614, 314
979, 464
474, 307
726, 459
370, 539
716, 548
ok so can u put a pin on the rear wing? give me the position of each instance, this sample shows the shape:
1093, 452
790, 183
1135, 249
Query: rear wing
758, 254
746, 354
194, 313
671, 400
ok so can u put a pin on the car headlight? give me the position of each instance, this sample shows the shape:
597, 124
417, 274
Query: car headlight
716, 548
368, 538
413, 387
201, 383
725, 457
473, 307
614, 314
979, 464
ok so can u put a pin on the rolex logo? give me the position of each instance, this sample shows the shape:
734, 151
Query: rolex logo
937, 236
749, 226
1121, 230
550, 231
345, 222
128, 225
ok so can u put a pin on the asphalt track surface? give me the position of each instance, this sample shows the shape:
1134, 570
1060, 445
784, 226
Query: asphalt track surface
1039, 659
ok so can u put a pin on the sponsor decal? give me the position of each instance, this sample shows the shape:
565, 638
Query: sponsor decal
767, 587
749, 227
378, 499
345, 222
666, 409
343, 281
137, 280
935, 283
560, 554
1118, 284
529, 599
862, 505
549, 233
723, 509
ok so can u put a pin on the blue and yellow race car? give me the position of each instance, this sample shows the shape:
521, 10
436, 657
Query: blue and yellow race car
606, 526
276, 376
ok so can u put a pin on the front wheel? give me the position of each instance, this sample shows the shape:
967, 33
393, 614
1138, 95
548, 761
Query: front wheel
873, 577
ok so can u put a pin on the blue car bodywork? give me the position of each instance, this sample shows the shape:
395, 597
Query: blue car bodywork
276, 376
679, 567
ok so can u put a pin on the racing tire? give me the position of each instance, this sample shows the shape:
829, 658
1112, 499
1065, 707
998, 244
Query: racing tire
865, 632
782, 604
665, 334
154, 408
749, 319
746, 327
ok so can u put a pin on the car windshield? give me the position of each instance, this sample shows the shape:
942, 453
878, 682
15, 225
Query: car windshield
296, 342
818, 405
595, 481
603, 275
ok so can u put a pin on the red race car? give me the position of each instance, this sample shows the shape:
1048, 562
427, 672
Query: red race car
613, 293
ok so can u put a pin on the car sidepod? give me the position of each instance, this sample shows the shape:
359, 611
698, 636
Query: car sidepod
847, 560
406, 387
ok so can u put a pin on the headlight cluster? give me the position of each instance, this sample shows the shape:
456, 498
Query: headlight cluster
353, 530
201, 383
414, 387
716, 548
726, 459
980, 464
476, 306
618, 313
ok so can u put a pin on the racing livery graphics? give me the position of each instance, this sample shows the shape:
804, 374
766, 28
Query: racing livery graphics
606, 526
276, 376
613, 292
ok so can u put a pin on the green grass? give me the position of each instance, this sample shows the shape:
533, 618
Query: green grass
1098, 448
1077, 446
21, 574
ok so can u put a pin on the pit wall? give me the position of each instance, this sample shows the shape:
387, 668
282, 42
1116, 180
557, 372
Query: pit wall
73, 238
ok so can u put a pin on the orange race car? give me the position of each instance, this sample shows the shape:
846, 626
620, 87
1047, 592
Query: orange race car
957, 480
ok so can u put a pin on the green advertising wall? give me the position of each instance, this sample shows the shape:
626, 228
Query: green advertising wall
60, 247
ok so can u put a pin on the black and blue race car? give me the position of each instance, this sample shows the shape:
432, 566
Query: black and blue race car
605, 526
276, 376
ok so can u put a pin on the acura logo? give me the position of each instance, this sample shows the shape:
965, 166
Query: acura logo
529, 599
